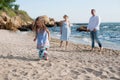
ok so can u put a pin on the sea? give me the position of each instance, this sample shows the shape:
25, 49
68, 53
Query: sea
109, 35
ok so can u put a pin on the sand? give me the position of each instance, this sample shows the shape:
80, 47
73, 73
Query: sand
19, 60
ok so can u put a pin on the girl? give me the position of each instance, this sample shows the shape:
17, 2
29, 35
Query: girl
42, 36
65, 31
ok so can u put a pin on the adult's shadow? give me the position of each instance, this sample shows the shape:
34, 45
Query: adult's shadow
17, 58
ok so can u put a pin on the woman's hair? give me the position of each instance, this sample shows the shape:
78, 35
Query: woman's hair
41, 22
93, 10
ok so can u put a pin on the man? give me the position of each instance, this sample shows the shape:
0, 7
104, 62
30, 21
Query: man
93, 27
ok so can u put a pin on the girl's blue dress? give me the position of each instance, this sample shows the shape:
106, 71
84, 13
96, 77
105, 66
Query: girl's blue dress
42, 40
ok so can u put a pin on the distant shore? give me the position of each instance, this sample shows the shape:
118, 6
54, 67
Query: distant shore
19, 60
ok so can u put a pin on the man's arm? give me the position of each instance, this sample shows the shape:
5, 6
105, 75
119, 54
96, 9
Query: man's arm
97, 23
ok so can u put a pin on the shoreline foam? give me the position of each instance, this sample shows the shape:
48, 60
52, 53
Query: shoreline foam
87, 42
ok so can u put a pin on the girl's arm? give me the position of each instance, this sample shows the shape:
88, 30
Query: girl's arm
48, 33
35, 35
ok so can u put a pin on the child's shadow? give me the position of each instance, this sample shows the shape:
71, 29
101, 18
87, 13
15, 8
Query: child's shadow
17, 58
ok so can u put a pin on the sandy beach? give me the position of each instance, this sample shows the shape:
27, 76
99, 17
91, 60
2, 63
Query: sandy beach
19, 60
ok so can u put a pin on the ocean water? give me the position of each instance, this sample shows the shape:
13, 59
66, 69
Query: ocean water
109, 35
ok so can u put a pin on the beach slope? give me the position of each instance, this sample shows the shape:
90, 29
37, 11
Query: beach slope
19, 60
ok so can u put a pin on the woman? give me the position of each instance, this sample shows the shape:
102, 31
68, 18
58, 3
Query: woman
65, 31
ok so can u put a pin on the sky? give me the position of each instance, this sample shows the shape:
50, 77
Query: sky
77, 10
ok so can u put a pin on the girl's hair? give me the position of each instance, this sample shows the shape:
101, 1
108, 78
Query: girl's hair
41, 22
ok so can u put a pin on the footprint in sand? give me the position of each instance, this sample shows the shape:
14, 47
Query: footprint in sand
75, 74
118, 69
96, 73
64, 72
87, 77
103, 76
83, 71
89, 70
114, 78
112, 70
48, 64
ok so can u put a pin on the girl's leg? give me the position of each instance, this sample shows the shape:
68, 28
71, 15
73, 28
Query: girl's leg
61, 43
41, 53
45, 54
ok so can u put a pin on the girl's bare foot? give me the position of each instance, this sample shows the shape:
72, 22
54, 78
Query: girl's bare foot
45, 56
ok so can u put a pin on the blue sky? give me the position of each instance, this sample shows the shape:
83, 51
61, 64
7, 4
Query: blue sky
77, 10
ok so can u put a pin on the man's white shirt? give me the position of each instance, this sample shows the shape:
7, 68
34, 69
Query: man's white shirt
94, 23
